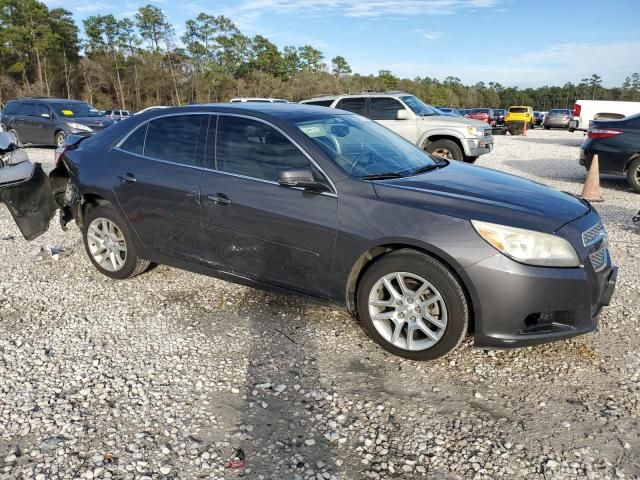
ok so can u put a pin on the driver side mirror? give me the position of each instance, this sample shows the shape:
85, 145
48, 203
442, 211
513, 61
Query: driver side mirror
301, 178
403, 115
45, 115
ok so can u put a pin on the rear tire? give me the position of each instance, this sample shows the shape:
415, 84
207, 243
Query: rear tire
429, 297
447, 149
110, 245
470, 159
547, 128
633, 175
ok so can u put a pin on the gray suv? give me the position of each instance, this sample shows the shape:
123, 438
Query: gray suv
453, 138
48, 121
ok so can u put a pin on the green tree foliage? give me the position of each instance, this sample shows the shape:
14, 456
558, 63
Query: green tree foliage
136, 62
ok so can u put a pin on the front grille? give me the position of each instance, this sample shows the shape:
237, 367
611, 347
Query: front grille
594, 235
599, 259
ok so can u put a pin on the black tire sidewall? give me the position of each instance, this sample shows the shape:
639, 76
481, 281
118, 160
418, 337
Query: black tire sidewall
454, 149
631, 175
438, 275
108, 212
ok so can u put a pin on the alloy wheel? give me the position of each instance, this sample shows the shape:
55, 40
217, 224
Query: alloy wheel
106, 244
442, 153
407, 311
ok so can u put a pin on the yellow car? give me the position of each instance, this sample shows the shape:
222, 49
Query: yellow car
520, 115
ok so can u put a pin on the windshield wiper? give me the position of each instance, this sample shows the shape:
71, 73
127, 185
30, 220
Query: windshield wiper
381, 176
428, 168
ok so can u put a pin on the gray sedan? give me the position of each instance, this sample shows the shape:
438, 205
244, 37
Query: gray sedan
333, 205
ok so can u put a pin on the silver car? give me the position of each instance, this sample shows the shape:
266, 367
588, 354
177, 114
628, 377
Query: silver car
557, 118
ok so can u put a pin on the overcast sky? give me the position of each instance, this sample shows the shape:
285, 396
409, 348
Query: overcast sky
514, 42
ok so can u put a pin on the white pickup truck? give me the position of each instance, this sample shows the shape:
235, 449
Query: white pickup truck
584, 111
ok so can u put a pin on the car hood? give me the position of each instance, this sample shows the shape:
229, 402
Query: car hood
476, 193
99, 122
450, 121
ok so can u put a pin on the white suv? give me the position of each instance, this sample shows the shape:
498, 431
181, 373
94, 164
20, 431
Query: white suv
454, 138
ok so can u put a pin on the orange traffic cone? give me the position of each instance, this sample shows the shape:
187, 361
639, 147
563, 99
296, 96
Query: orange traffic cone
524, 129
591, 190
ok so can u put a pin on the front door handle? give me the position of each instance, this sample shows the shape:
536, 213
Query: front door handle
127, 178
219, 199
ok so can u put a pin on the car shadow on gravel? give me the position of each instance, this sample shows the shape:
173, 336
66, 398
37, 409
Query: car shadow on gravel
567, 142
557, 170
284, 417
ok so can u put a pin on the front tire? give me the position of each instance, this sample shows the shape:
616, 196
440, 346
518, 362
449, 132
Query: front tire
412, 306
446, 149
59, 138
633, 175
110, 245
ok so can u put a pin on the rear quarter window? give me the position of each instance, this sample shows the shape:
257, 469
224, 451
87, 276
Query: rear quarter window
135, 142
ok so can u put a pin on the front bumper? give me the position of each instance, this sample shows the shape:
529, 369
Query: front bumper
517, 305
474, 147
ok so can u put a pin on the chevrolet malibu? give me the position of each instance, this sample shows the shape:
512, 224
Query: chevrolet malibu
332, 205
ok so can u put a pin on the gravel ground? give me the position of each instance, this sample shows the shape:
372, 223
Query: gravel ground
168, 374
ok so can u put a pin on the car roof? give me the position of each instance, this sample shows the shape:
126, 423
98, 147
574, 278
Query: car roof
392, 93
283, 111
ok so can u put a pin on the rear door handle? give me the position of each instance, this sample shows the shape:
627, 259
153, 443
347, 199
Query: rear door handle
127, 178
219, 199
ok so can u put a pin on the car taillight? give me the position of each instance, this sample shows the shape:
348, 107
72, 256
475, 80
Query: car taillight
602, 133
577, 108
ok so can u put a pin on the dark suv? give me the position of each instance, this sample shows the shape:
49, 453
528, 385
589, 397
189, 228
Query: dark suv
48, 121
323, 202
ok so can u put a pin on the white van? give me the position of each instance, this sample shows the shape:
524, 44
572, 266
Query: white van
584, 111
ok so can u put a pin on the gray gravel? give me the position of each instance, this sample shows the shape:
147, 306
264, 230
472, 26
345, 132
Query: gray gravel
168, 374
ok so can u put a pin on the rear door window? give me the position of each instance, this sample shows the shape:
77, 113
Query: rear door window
27, 109
177, 139
355, 105
385, 108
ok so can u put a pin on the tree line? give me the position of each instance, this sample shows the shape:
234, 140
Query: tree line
132, 63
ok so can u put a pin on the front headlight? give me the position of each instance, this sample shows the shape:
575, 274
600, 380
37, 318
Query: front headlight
79, 126
475, 131
528, 246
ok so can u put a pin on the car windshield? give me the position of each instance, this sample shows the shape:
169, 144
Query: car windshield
418, 107
518, 110
499, 112
560, 112
76, 109
361, 147
480, 110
